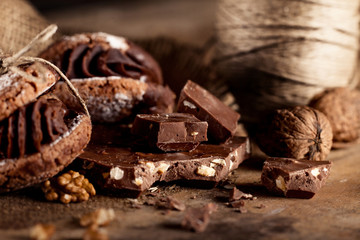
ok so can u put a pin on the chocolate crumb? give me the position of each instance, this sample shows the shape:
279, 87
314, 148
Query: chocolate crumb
229, 186
104, 152
171, 203
241, 210
237, 204
236, 194
197, 219
150, 202
261, 206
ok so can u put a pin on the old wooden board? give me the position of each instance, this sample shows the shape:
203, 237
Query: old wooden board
333, 213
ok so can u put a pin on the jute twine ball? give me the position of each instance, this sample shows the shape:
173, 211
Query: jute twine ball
280, 53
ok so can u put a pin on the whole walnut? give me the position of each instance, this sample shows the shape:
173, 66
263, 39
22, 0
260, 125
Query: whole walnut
342, 107
300, 132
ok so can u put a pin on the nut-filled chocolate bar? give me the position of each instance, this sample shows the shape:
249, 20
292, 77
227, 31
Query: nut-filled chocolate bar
202, 104
114, 166
294, 178
170, 132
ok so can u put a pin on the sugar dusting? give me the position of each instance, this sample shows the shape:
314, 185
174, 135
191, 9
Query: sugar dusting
112, 108
97, 78
114, 41
7, 80
117, 42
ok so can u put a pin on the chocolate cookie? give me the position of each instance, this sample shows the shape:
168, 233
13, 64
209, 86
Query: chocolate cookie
39, 138
113, 75
13, 86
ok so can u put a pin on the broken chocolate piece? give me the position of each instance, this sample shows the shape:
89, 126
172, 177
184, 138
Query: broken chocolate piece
241, 210
235, 194
124, 169
294, 178
202, 104
171, 132
197, 219
170, 203
237, 203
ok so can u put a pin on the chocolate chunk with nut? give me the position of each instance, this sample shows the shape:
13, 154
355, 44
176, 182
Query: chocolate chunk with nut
122, 168
205, 106
170, 132
294, 178
300, 132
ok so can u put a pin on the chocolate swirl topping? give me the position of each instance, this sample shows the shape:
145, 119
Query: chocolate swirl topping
97, 58
31, 126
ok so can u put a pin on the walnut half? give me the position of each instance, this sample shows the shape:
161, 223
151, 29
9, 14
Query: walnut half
68, 187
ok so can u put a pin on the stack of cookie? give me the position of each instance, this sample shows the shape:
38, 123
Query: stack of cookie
39, 134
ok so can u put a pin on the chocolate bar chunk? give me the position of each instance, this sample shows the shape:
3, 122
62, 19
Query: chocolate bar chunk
114, 168
171, 132
294, 178
222, 120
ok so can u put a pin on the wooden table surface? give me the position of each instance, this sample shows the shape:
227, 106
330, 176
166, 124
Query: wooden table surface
333, 213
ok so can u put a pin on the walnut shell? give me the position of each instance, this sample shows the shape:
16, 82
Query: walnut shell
301, 133
342, 107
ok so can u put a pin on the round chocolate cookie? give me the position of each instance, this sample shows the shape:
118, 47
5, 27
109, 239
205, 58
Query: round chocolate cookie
41, 135
115, 77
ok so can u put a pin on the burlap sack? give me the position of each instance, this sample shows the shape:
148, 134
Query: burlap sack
19, 24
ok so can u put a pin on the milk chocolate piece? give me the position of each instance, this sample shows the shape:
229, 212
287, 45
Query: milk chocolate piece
114, 166
171, 132
294, 178
202, 104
